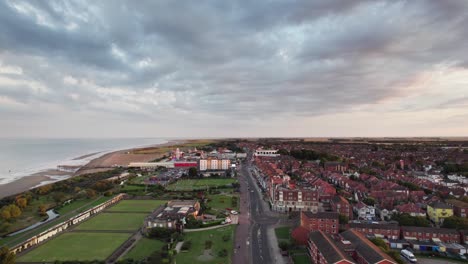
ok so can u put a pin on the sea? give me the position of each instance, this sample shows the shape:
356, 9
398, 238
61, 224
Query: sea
20, 157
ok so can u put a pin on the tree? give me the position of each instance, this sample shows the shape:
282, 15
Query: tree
5, 213
15, 211
22, 202
90, 193
408, 220
193, 173
380, 243
369, 201
42, 210
58, 197
343, 219
6, 256
455, 222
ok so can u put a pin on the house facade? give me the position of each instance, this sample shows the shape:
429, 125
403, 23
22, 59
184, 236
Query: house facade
438, 211
324, 221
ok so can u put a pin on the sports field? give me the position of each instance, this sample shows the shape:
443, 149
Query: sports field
137, 206
197, 184
113, 221
76, 246
144, 248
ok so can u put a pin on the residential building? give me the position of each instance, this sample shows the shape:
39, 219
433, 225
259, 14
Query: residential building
286, 199
390, 231
430, 234
323, 250
173, 215
324, 221
211, 164
460, 208
411, 209
335, 166
365, 252
340, 205
364, 211
438, 211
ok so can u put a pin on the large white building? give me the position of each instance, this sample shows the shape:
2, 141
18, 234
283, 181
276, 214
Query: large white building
214, 164
266, 153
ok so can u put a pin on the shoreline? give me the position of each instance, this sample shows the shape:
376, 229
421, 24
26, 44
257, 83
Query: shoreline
105, 162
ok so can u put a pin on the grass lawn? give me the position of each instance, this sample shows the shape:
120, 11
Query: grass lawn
301, 259
144, 248
11, 241
283, 233
222, 201
76, 246
194, 184
113, 221
195, 253
137, 205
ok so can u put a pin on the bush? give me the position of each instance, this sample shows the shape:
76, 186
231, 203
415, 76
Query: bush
161, 233
187, 245
222, 253
284, 245
208, 244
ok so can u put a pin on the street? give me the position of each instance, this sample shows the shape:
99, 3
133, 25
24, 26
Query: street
253, 244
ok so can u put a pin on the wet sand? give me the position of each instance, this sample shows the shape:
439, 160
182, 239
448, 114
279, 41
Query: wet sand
26, 183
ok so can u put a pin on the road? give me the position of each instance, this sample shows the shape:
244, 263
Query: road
253, 245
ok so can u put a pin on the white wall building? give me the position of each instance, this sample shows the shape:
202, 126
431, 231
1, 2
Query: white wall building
214, 164
266, 153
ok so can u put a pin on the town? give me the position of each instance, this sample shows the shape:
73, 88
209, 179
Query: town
255, 201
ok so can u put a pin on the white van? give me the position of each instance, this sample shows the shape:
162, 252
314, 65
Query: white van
408, 255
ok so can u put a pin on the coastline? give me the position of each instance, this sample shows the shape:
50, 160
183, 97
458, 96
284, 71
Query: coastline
101, 163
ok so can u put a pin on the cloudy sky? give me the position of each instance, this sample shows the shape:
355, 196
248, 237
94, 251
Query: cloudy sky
233, 68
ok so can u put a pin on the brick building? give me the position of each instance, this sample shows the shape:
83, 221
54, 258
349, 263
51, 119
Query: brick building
323, 250
429, 233
341, 206
297, 199
380, 230
364, 251
323, 221
460, 208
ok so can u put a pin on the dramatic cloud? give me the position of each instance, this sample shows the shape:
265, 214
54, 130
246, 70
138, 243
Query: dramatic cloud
233, 68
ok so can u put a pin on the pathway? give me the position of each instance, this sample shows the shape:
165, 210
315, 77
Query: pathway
205, 228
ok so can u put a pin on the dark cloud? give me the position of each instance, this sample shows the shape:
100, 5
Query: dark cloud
149, 60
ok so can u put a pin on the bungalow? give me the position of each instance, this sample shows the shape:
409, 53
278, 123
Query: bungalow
172, 215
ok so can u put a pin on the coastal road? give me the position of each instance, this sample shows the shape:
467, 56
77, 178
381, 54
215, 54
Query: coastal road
253, 244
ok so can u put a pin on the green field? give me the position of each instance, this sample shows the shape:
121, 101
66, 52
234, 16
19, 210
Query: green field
301, 259
196, 252
144, 248
113, 221
137, 206
220, 202
76, 246
283, 233
197, 184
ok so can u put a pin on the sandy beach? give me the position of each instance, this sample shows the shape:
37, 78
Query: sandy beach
26, 183
105, 162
